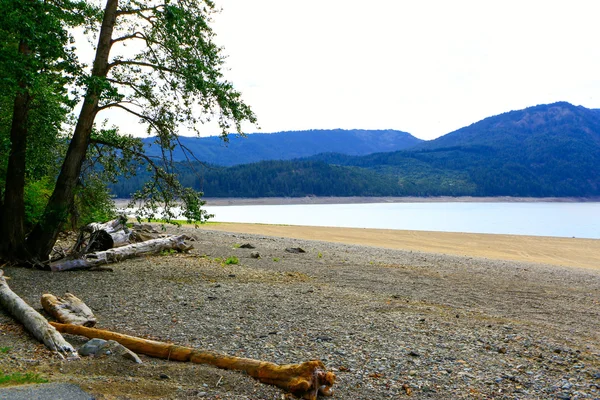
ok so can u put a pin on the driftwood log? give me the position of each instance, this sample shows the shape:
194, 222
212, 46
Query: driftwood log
33, 322
307, 380
68, 309
100, 258
103, 236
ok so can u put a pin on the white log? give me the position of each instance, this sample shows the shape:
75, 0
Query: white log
114, 255
110, 226
33, 322
68, 309
122, 238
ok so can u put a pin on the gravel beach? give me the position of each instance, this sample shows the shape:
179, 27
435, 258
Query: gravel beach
390, 323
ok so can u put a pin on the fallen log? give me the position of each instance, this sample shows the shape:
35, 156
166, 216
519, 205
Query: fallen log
68, 309
307, 380
109, 227
33, 322
109, 256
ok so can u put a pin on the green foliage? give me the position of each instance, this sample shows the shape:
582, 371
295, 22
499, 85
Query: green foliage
168, 252
276, 259
232, 260
171, 78
4, 350
36, 197
19, 378
93, 202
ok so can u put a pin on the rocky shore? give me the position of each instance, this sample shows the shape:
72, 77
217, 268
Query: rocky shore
389, 323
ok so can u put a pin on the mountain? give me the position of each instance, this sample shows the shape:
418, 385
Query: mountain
548, 150
288, 145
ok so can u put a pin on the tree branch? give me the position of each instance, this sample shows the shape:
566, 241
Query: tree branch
136, 35
139, 10
143, 64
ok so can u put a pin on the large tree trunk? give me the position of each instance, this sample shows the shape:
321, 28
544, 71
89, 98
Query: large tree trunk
43, 237
100, 258
12, 229
306, 380
33, 321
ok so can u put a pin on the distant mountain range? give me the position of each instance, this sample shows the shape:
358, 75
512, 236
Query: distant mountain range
287, 145
546, 150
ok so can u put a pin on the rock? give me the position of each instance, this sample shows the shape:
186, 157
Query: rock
414, 354
247, 246
91, 347
255, 254
295, 250
164, 376
100, 347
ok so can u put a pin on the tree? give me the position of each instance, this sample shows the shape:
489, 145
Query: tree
35, 63
174, 79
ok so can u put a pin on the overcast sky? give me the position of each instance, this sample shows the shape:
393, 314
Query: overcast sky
424, 67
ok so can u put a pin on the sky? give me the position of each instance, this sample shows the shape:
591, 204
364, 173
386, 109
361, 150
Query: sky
423, 67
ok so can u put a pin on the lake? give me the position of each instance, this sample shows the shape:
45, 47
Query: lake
581, 220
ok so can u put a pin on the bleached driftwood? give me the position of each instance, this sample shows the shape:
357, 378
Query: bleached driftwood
33, 322
109, 256
68, 309
103, 236
109, 227
307, 380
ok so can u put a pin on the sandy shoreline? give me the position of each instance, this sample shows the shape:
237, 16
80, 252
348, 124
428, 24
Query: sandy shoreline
571, 252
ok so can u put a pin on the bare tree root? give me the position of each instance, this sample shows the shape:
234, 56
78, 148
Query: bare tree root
307, 380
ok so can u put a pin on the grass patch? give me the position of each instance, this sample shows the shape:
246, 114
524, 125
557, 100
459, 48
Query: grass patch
4, 350
18, 378
275, 259
232, 260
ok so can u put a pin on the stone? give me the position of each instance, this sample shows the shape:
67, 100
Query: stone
295, 250
90, 348
100, 347
246, 246
255, 254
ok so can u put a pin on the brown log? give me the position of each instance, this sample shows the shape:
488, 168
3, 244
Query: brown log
100, 258
307, 380
33, 322
68, 309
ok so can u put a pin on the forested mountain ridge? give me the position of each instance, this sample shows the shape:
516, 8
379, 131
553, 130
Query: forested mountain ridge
546, 150
288, 145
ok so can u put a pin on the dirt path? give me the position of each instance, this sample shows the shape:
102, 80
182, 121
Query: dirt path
582, 253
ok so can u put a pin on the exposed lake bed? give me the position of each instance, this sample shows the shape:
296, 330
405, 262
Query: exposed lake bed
382, 319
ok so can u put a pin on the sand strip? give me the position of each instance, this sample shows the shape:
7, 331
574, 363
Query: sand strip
582, 253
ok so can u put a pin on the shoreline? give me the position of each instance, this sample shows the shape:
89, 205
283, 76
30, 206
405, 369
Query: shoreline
564, 252
244, 201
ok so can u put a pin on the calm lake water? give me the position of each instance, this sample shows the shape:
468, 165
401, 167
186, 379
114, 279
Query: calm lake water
581, 220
